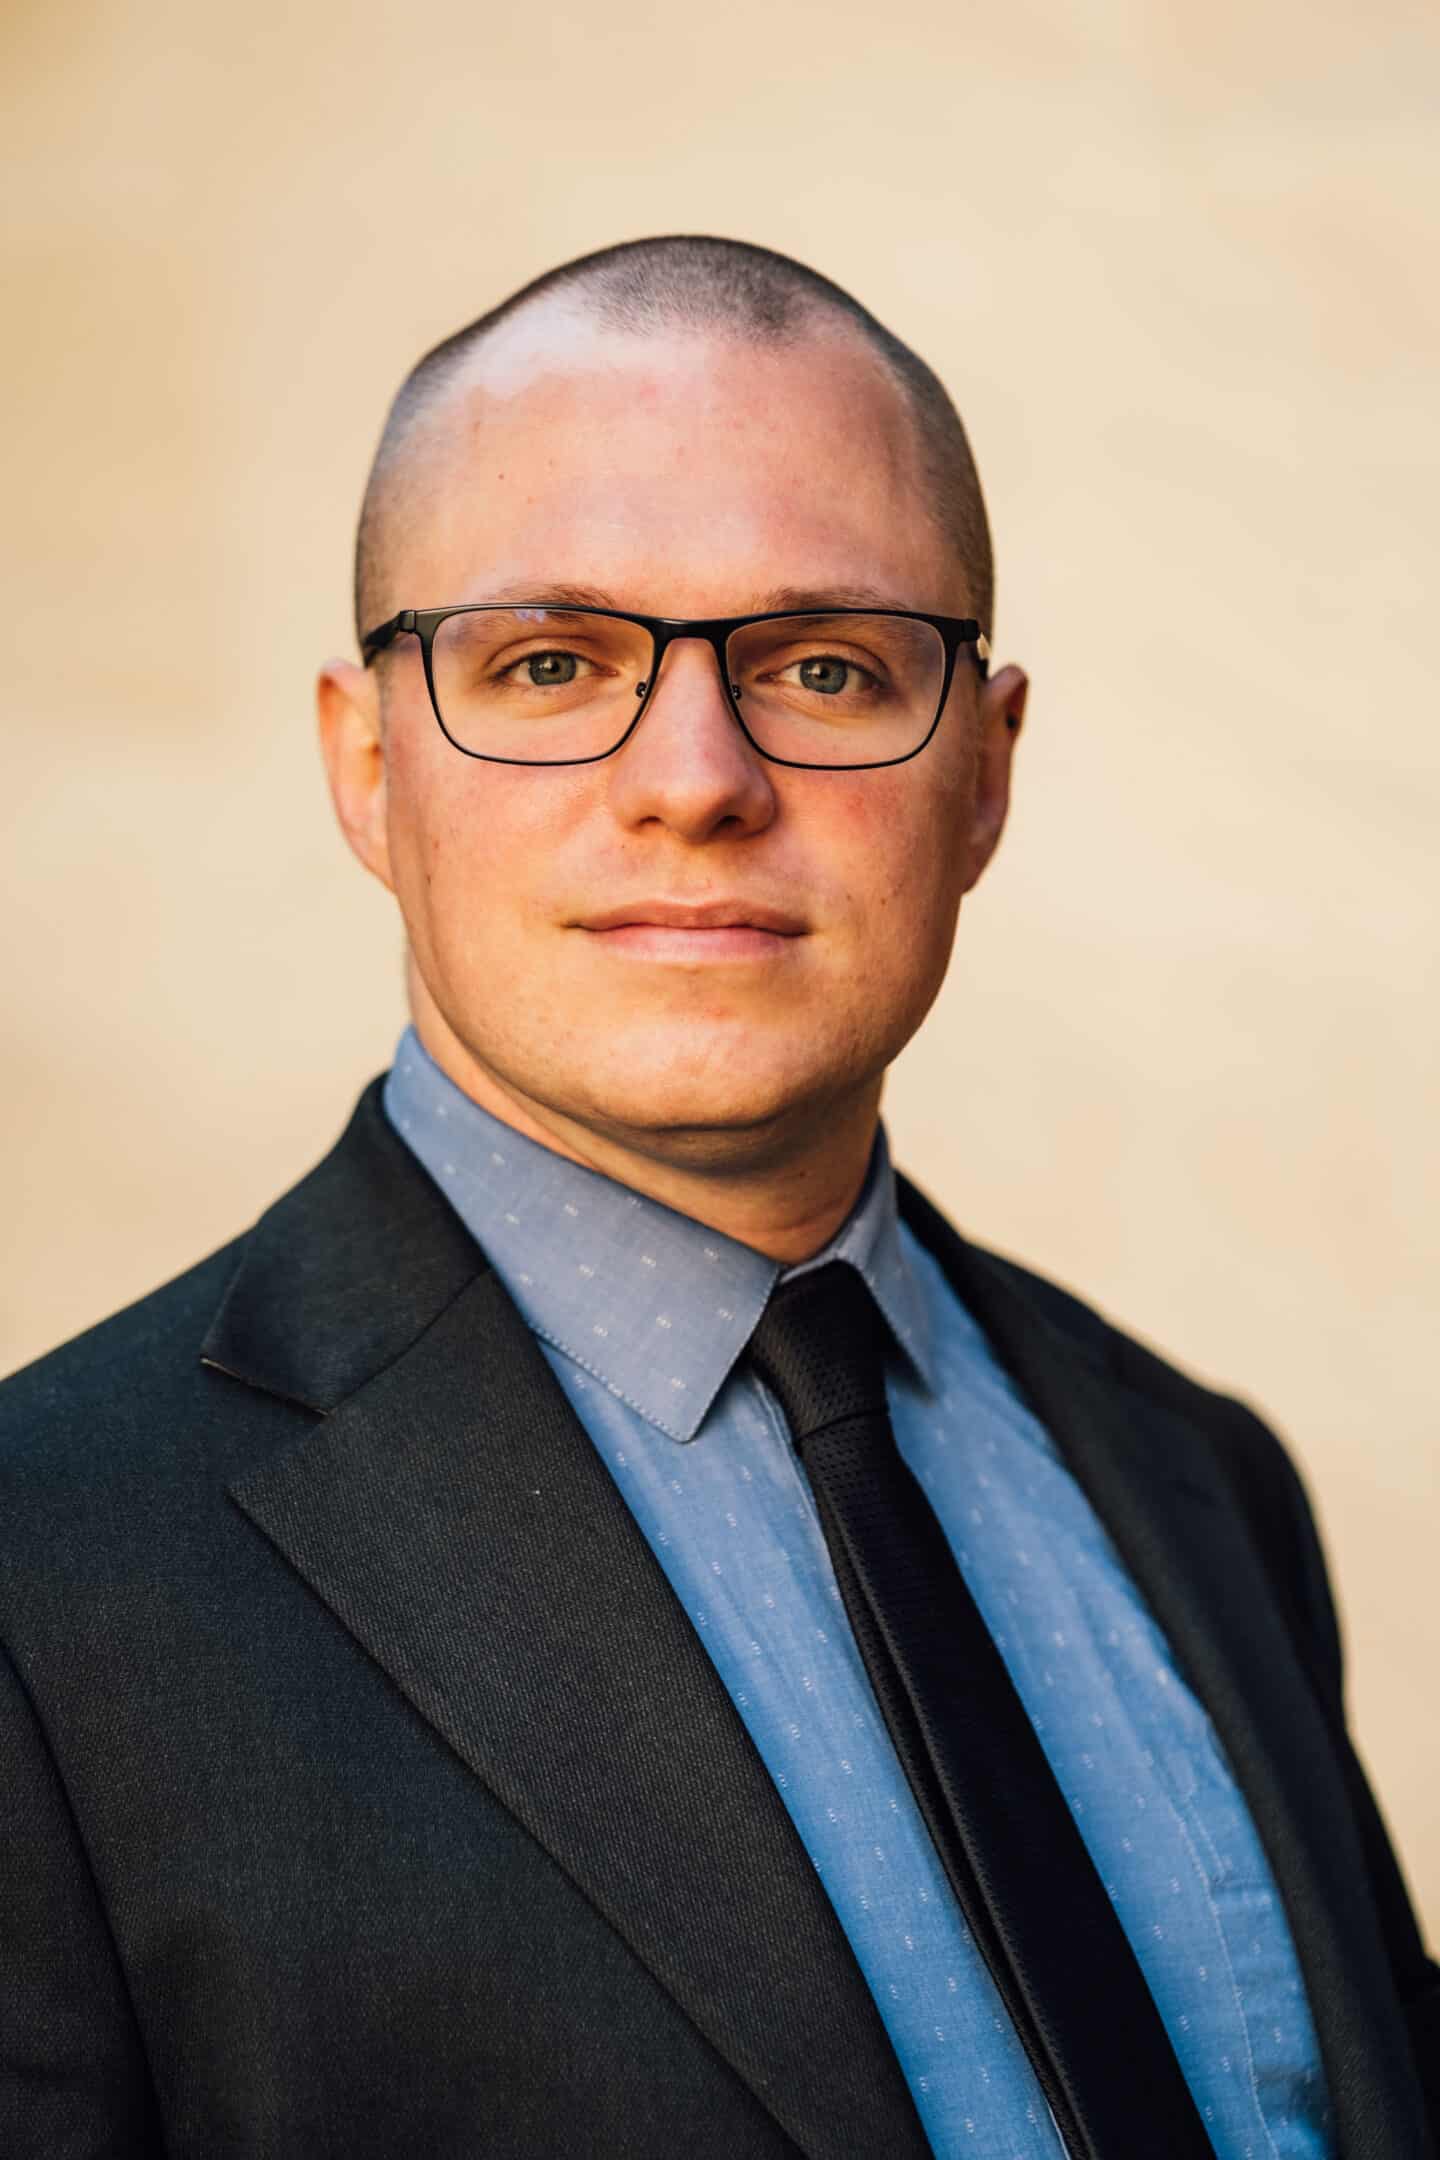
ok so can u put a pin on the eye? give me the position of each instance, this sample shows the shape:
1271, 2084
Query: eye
830, 676
547, 670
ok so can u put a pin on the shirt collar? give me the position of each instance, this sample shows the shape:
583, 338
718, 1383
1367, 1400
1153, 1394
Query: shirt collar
657, 1306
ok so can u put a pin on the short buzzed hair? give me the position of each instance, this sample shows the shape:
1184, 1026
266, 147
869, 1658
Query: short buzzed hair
693, 281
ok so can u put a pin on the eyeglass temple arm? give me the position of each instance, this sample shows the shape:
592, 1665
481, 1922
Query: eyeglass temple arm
375, 641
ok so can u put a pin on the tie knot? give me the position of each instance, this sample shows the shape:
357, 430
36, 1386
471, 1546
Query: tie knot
819, 1346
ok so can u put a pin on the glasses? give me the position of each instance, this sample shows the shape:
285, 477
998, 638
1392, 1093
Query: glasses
839, 689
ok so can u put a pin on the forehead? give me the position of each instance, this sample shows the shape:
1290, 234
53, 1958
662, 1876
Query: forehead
682, 471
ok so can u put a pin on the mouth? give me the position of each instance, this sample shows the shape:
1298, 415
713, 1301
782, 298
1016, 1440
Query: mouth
718, 930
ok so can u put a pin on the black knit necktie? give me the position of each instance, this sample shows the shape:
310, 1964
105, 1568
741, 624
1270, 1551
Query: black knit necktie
1005, 1835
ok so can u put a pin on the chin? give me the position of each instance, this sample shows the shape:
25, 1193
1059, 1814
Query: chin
696, 1104
688, 1113
729, 1093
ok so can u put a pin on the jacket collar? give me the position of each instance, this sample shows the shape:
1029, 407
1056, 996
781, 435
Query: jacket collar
345, 1272
452, 1513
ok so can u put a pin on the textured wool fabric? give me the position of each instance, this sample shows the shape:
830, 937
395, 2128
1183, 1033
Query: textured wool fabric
370, 1790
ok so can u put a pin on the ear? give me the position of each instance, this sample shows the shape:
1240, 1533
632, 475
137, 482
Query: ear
1002, 712
348, 704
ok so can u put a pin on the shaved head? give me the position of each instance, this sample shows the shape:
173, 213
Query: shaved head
724, 289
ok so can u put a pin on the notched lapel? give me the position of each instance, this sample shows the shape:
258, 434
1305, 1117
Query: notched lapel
344, 1272
455, 1517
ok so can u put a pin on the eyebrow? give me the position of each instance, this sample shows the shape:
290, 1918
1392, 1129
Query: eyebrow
552, 595
782, 597
822, 596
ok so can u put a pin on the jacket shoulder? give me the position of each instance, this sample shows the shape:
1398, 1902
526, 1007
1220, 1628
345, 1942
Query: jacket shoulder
1242, 1435
1249, 1457
147, 1356
1131, 1357
1119, 1352
129, 1434
1256, 1465
123, 1360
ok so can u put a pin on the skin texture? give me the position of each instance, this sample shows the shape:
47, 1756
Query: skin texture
737, 1080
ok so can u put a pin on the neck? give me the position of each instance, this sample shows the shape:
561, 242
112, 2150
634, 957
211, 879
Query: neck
785, 1196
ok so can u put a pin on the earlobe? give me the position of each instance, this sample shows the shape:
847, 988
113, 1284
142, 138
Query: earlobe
348, 709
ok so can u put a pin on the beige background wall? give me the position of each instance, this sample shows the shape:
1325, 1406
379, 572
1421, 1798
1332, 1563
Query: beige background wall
1177, 263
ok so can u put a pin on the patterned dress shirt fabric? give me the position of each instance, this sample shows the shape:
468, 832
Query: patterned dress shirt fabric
643, 1315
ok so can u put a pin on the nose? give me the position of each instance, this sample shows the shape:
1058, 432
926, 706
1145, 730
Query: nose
688, 766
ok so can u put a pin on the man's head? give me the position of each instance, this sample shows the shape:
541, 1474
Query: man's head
679, 428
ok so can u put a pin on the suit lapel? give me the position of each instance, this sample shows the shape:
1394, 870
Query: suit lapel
452, 1513
450, 1510
1154, 1479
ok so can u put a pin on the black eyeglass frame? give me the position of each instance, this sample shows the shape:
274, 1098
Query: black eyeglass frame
664, 630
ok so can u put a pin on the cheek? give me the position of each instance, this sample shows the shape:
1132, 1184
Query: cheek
463, 831
900, 847
421, 814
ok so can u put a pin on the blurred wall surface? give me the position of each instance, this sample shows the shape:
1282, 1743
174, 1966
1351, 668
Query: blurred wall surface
1176, 263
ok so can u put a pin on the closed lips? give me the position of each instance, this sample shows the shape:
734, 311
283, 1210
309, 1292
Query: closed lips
715, 915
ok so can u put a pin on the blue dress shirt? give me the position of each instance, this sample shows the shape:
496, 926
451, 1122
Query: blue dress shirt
643, 1314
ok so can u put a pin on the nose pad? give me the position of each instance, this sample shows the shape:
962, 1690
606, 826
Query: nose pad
731, 690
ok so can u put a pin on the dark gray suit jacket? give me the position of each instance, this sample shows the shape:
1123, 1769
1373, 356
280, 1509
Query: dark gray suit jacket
368, 1792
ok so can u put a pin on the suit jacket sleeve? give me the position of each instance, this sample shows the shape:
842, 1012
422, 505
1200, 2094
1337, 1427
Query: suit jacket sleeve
73, 2082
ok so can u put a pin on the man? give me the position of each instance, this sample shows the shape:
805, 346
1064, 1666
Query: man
604, 1625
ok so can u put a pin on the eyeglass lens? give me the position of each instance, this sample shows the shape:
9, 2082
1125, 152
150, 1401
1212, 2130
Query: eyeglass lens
550, 685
